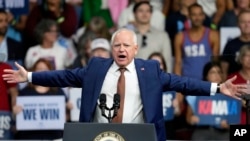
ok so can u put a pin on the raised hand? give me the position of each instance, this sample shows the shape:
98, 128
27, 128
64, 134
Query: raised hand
233, 90
15, 76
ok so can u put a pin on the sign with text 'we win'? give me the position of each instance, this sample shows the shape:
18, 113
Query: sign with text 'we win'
41, 113
212, 109
5, 125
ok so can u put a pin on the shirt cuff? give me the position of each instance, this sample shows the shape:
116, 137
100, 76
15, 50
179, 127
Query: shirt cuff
29, 76
213, 89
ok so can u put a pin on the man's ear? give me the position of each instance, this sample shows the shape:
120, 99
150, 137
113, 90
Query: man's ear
136, 49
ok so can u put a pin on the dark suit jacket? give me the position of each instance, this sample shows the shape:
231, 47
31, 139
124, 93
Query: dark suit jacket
152, 82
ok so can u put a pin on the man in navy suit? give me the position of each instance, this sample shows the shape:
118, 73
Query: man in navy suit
144, 83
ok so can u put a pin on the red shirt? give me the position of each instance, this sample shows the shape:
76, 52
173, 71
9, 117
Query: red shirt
4, 86
240, 80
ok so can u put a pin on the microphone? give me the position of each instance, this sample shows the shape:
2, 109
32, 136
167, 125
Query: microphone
116, 104
102, 106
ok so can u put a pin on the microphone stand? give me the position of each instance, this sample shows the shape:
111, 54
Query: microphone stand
246, 97
109, 117
115, 107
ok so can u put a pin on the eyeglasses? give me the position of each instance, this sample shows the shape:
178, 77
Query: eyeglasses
144, 38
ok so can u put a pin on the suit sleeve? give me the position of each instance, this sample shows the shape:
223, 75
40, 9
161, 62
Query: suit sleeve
185, 85
61, 78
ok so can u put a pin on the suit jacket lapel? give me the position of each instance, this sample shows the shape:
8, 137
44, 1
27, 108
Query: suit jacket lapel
141, 73
101, 73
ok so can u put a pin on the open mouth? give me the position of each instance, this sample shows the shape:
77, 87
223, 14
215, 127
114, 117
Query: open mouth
122, 56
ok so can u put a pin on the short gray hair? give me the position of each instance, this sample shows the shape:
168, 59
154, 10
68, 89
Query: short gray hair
124, 29
242, 52
42, 27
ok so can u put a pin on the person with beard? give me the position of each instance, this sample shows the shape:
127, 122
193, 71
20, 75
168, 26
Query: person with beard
10, 49
195, 47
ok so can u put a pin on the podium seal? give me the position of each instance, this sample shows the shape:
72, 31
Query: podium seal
109, 136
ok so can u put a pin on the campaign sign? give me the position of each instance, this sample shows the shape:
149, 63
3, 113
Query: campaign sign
212, 109
75, 99
167, 103
15, 6
41, 113
5, 125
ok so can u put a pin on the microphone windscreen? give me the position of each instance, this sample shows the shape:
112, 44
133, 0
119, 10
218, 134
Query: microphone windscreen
102, 98
116, 98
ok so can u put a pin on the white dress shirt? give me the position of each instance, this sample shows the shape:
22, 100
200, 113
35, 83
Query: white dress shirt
132, 111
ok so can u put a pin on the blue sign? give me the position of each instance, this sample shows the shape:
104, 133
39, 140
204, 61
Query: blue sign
211, 110
17, 7
167, 103
5, 125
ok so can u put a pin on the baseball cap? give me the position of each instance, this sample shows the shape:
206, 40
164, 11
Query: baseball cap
100, 43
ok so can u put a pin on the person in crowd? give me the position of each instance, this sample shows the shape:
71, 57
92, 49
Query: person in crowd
196, 46
10, 49
147, 34
100, 47
233, 46
179, 20
46, 34
9, 92
212, 72
97, 25
142, 81
170, 125
84, 49
77, 4
160, 58
36, 90
230, 18
60, 11
100, 8
17, 21
243, 75
127, 16
214, 9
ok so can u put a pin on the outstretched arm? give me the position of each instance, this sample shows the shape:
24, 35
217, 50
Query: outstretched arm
192, 86
63, 78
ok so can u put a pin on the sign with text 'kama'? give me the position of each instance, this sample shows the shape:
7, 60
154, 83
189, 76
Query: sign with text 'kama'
212, 109
41, 113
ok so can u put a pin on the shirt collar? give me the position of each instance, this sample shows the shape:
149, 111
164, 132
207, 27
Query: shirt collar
130, 67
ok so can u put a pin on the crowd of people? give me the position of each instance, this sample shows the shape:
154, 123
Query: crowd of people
182, 35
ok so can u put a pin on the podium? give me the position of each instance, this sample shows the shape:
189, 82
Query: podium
109, 132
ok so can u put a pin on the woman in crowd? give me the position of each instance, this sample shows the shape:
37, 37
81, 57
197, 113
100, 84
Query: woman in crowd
212, 72
243, 75
46, 33
34, 90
